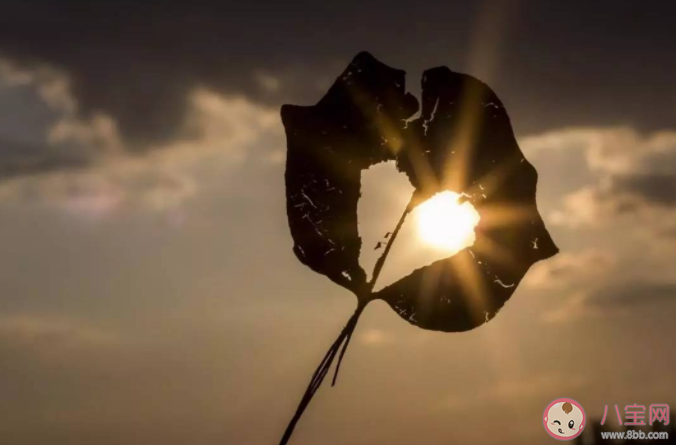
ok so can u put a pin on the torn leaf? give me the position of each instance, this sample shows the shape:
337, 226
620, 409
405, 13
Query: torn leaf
462, 142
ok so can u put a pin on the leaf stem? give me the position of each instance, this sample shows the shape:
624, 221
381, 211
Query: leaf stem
381, 261
345, 335
321, 371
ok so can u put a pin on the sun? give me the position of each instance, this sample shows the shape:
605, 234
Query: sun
446, 224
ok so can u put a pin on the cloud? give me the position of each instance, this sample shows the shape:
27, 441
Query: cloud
72, 141
376, 337
85, 166
595, 283
657, 189
569, 269
51, 88
633, 177
614, 298
574, 276
609, 296
23, 158
268, 82
50, 337
142, 76
630, 295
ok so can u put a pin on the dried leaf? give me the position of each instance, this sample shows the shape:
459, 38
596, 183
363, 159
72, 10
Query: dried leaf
463, 142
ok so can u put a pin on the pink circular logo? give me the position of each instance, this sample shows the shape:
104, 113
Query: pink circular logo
564, 419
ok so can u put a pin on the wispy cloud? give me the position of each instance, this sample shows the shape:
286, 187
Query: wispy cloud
53, 337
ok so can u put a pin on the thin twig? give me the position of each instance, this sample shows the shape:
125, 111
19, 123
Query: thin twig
381, 261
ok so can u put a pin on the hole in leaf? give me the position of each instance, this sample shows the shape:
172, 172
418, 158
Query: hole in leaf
385, 193
436, 229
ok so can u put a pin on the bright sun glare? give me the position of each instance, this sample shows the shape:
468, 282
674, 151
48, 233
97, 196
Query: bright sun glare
446, 224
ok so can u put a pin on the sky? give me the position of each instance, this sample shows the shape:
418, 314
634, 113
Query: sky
148, 289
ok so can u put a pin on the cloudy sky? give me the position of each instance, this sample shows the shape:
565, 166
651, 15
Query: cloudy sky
148, 290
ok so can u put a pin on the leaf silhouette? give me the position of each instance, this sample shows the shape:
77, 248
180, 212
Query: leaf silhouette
463, 142
329, 144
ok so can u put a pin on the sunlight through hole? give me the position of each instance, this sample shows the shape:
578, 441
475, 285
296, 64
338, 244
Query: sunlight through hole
444, 223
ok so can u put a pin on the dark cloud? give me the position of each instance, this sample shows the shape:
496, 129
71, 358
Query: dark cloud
657, 189
633, 294
648, 185
138, 61
555, 64
22, 158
